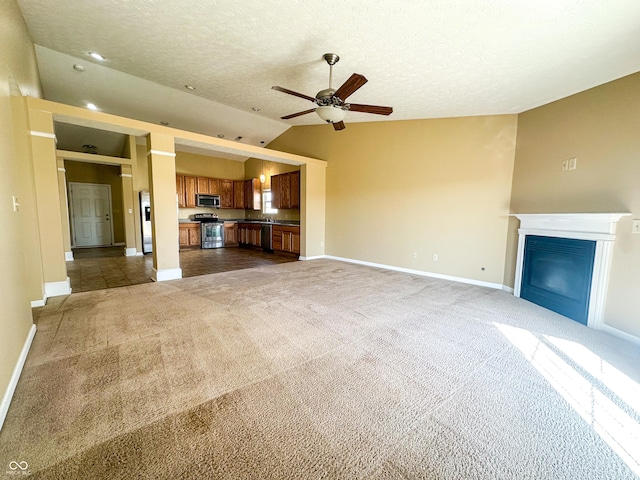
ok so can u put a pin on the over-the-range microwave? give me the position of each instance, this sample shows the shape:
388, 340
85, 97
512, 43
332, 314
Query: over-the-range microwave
210, 201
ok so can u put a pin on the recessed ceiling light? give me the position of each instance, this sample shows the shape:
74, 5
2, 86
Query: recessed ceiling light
189, 87
164, 123
238, 138
255, 109
97, 56
220, 135
92, 106
78, 68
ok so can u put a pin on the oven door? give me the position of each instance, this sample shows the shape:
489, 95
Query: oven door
212, 234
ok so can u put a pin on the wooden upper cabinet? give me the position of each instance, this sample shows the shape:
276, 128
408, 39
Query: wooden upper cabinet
226, 193
294, 183
214, 186
190, 188
238, 194
203, 185
285, 190
275, 191
180, 190
252, 194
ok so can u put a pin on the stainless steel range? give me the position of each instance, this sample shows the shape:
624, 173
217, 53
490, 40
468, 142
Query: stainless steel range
211, 230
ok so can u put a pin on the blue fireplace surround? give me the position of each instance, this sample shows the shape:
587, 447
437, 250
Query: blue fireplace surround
557, 274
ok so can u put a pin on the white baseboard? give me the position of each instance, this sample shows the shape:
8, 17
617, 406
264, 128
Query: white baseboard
17, 370
507, 289
168, 274
312, 258
130, 252
55, 289
620, 334
68, 256
39, 303
470, 281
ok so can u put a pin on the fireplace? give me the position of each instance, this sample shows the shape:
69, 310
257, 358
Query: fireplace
564, 260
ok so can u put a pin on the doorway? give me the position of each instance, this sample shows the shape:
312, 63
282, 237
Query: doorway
91, 214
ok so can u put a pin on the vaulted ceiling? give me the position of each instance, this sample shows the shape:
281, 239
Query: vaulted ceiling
425, 58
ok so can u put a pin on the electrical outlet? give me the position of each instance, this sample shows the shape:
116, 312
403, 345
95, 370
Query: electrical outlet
636, 226
435, 257
572, 163
565, 165
414, 255
16, 205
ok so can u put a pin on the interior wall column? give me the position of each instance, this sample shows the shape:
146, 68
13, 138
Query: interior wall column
64, 209
126, 174
45, 173
313, 193
164, 207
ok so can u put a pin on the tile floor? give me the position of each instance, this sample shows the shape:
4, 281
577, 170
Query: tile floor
107, 267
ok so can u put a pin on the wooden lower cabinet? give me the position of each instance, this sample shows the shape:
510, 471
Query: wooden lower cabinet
286, 238
249, 234
230, 234
189, 235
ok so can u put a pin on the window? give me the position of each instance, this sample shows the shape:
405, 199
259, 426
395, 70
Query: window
266, 203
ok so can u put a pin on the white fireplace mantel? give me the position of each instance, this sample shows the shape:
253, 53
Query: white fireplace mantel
599, 227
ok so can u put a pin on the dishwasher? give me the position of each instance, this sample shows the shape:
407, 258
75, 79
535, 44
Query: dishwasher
265, 237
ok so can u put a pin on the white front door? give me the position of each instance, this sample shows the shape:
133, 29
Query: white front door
91, 210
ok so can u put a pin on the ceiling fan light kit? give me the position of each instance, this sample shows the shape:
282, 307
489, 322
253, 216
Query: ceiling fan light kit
331, 114
331, 104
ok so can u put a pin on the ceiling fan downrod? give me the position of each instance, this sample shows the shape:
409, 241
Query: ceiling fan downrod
331, 59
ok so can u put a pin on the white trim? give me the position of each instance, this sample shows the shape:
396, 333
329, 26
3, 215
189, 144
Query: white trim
168, 274
620, 334
470, 281
62, 169
315, 257
126, 175
56, 289
36, 133
130, 252
507, 289
39, 303
139, 254
160, 152
17, 370
68, 256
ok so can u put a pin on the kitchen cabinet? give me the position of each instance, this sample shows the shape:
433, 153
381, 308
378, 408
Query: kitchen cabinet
202, 185
252, 194
238, 194
285, 190
286, 238
209, 186
189, 234
249, 234
226, 193
180, 193
190, 189
294, 184
230, 234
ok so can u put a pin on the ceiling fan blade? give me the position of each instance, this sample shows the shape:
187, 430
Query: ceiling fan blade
354, 82
296, 94
378, 110
339, 126
287, 117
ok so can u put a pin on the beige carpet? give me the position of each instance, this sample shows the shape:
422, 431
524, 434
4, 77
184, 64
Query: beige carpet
320, 369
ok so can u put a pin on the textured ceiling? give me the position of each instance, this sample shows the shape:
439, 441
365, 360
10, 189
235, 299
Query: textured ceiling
425, 58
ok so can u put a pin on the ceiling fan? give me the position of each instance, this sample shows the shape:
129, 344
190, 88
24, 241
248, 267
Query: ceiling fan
332, 106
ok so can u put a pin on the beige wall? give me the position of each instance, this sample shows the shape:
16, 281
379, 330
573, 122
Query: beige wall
426, 186
17, 68
601, 127
84, 172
